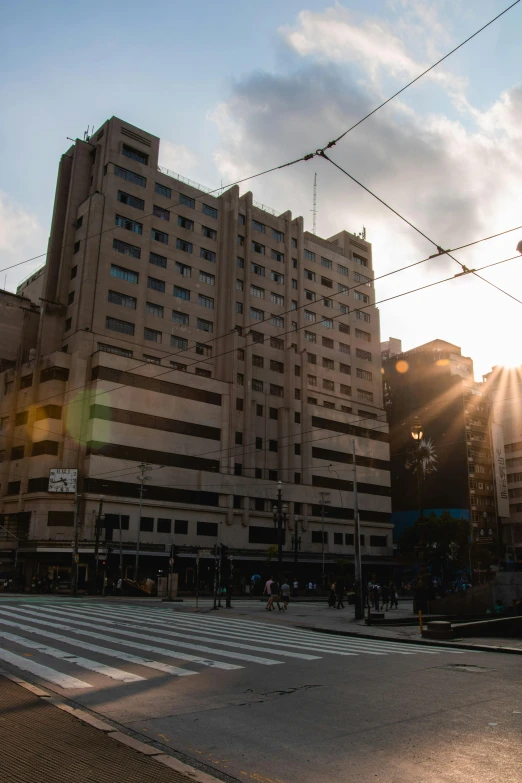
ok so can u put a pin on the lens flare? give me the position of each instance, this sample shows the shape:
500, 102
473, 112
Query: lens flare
402, 366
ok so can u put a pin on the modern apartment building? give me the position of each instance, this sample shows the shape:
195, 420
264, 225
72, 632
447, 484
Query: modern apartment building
504, 389
211, 339
436, 383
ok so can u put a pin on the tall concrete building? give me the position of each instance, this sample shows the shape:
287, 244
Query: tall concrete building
504, 389
216, 342
435, 383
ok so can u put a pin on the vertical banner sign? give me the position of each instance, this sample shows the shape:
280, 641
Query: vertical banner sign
499, 458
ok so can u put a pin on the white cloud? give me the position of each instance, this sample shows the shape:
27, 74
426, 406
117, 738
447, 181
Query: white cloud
21, 236
176, 157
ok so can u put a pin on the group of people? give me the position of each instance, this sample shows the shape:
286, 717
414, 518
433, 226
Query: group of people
382, 597
336, 595
277, 594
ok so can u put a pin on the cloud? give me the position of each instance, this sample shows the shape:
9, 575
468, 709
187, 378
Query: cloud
176, 157
21, 236
456, 182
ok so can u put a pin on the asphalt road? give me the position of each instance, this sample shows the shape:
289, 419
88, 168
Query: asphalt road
256, 699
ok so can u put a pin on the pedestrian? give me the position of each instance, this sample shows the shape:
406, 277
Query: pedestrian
339, 593
331, 596
268, 591
376, 591
394, 595
285, 594
385, 595
296, 588
310, 586
119, 586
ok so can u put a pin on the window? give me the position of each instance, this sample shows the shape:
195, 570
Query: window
327, 323
240, 240
257, 361
185, 223
240, 262
361, 297
275, 390
206, 301
124, 274
44, 447
116, 325
257, 385
130, 176
310, 337
310, 295
360, 260
294, 263
326, 282
205, 326
361, 316
239, 285
345, 368
259, 443
272, 445
363, 335
210, 233
155, 284
257, 337
134, 154
164, 525
344, 309
362, 279
328, 385
344, 328
294, 304
277, 256
277, 278
257, 270
294, 284
309, 316
160, 236
147, 524
239, 438
258, 226
338, 538
256, 291
9, 387
187, 201
122, 299
74, 270
278, 235
240, 379
378, 540
327, 302
277, 320
127, 223
208, 255
21, 418
257, 315
182, 293
273, 413
210, 211
346, 390
275, 342
154, 309
203, 350
365, 375
131, 201
343, 289
343, 348
26, 381
277, 299
13, 488
346, 409
277, 366
364, 395
122, 247
294, 242
312, 380
311, 358
185, 246
343, 270
163, 190
203, 373
366, 355
257, 248
76, 247
309, 255
326, 262
179, 342
114, 349
319, 536
151, 359
205, 277
328, 364
309, 275
158, 260
241, 219
68, 324
330, 405
239, 404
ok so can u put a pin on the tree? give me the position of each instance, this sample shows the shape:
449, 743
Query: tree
270, 553
440, 541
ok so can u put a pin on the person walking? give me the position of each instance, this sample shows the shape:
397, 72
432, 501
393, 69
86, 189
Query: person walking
385, 596
268, 591
331, 596
339, 593
285, 594
376, 591
296, 588
394, 595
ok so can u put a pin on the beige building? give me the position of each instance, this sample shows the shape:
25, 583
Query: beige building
212, 339
32, 286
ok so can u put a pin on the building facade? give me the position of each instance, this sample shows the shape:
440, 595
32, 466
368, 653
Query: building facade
214, 342
435, 383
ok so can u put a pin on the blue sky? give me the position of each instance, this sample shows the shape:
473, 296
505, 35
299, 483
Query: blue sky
232, 87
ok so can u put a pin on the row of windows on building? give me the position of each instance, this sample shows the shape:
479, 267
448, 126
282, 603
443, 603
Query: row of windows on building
153, 335
330, 386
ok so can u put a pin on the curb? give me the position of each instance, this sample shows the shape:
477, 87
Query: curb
432, 643
196, 775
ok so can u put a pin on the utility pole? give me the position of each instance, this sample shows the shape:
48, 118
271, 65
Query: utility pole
280, 517
359, 593
75, 557
296, 539
143, 468
98, 523
324, 502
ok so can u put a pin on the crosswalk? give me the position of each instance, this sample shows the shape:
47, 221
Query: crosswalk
52, 641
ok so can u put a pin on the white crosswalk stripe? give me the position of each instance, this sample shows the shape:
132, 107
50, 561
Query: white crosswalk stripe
167, 635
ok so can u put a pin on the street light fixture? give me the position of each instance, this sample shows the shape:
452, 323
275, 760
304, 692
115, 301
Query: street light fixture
416, 429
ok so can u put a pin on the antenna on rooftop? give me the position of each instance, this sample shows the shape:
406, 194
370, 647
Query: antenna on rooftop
314, 208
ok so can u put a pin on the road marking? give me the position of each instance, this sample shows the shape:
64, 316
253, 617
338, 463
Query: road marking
44, 672
124, 656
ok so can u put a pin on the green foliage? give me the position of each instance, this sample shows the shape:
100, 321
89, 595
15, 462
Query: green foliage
271, 552
443, 539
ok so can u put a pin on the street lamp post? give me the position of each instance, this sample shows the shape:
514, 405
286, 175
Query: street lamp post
416, 434
98, 525
280, 515
296, 539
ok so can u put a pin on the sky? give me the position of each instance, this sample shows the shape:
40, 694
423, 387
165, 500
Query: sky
235, 87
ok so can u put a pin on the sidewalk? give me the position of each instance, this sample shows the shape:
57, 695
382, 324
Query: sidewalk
40, 741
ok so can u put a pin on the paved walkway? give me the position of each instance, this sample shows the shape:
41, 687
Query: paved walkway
39, 741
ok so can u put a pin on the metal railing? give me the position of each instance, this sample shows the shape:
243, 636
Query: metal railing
265, 208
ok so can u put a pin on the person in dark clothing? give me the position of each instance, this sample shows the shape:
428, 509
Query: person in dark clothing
339, 593
331, 596
393, 595
385, 596
376, 596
